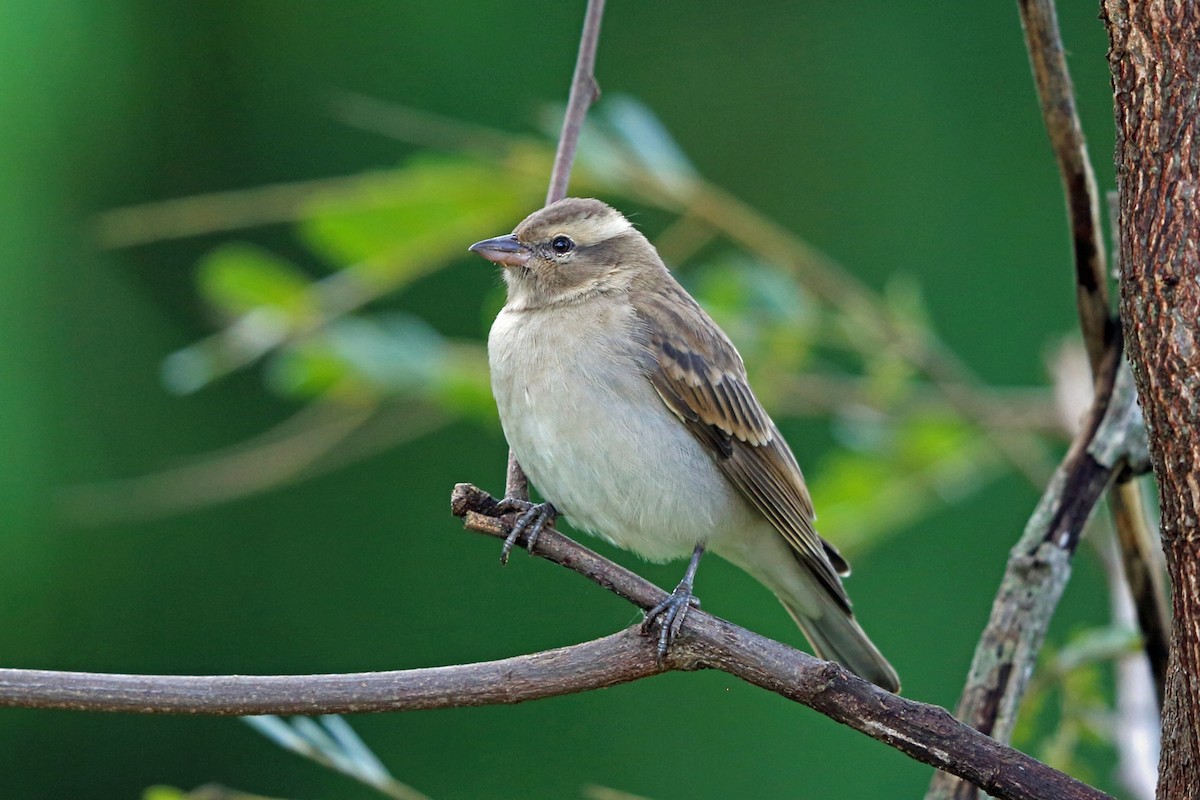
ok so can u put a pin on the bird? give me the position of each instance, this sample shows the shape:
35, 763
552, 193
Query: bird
630, 411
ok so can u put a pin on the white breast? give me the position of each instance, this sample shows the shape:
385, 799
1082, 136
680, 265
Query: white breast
595, 438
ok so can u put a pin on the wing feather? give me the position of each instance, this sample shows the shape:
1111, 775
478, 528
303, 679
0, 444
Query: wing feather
701, 379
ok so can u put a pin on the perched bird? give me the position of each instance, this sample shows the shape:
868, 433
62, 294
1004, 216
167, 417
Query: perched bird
630, 411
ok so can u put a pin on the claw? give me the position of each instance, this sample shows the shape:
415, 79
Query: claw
673, 610
533, 520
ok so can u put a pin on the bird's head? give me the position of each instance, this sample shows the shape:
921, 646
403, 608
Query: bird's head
568, 251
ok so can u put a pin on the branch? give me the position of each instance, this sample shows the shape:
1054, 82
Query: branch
1040, 566
924, 732
1057, 95
1153, 59
614, 659
584, 92
1096, 320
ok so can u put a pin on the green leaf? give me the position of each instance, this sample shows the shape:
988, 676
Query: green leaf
399, 225
648, 142
163, 793
925, 440
384, 354
763, 310
903, 471
239, 278
1095, 645
395, 352
306, 370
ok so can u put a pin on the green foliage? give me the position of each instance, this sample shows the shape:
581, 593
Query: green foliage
237, 279
396, 226
892, 473
331, 742
380, 233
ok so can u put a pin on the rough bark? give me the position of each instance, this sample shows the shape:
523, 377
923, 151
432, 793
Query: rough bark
1155, 60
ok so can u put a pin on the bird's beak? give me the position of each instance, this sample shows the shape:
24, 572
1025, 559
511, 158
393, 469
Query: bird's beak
504, 250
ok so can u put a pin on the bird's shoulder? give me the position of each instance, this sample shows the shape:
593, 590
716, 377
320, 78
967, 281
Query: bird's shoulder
695, 366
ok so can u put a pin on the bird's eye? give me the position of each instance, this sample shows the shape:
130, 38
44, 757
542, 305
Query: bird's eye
561, 245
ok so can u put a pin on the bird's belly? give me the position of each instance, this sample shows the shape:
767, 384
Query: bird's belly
601, 446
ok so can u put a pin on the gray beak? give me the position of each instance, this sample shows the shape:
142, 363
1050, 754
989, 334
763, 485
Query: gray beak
503, 250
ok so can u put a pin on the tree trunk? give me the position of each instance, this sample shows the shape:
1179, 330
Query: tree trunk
1155, 61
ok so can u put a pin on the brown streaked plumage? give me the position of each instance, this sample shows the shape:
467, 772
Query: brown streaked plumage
700, 376
631, 412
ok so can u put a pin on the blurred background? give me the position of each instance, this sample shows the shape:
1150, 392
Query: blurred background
241, 365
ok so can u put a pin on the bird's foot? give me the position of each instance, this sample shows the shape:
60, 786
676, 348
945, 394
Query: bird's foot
670, 614
533, 520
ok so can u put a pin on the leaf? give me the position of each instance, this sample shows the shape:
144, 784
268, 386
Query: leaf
402, 224
1095, 645
239, 278
163, 793
763, 310
307, 370
462, 383
649, 142
912, 467
390, 353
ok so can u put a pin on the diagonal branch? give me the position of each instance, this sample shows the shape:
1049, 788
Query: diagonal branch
1039, 566
1057, 95
584, 92
924, 732
1096, 320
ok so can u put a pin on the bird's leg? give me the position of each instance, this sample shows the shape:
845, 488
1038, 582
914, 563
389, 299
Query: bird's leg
533, 520
674, 609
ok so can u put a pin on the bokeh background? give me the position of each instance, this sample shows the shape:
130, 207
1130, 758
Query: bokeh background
148, 525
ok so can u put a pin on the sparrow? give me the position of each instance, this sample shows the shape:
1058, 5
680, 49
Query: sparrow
630, 411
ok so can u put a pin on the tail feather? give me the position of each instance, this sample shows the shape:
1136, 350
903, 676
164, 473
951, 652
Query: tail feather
836, 636
823, 617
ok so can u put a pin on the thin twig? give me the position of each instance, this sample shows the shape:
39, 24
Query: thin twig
584, 92
218, 212
1141, 559
924, 732
321, 438
1096, 320
1049, 63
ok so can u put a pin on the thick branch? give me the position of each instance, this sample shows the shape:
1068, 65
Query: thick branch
614, 659
922, 731
1155, 62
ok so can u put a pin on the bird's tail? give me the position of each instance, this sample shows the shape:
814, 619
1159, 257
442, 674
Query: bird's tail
836, 636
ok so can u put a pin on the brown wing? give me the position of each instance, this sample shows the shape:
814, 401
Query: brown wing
701, 378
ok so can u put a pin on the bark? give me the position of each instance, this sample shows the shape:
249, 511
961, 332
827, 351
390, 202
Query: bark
1155, 60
